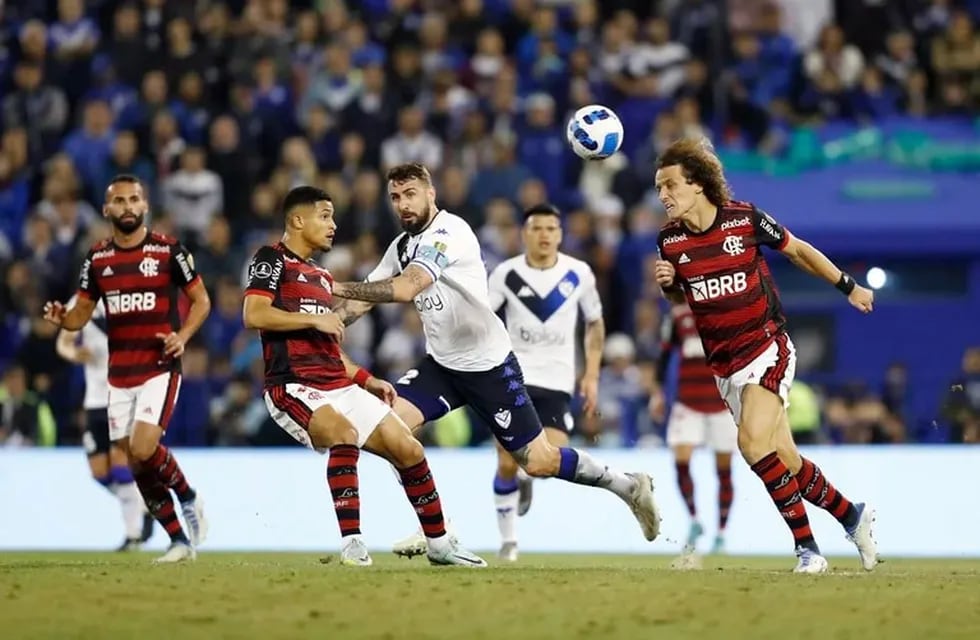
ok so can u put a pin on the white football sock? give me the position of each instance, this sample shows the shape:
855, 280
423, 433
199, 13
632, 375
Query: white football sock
133, 508
507, 515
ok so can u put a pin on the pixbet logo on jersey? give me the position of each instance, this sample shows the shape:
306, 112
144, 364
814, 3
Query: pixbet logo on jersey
718, 287
118, 303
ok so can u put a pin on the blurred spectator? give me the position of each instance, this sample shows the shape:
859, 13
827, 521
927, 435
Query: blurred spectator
961, 405
193, 195
25, 419
39, 108
90, 146
803, 413
622, 396
835, 58
412, 143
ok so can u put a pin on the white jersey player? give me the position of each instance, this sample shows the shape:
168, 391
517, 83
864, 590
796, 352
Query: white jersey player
89, 347
437, 265
542, 293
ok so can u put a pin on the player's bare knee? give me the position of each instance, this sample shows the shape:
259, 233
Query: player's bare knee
754, 443
141, 449
407, 452
542, 461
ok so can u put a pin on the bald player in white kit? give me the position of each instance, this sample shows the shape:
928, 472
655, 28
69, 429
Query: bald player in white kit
437, 265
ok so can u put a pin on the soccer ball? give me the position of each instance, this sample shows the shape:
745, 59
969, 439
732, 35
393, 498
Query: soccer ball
595, 132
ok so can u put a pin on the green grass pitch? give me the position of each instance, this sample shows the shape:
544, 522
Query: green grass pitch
272, 596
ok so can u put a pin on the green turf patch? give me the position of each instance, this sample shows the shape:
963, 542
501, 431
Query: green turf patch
106, 596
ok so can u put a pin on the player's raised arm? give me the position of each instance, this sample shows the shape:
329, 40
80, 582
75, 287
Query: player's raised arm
810, 259
402, 288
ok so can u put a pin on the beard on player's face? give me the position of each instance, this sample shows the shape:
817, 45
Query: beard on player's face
416, 222
128, 222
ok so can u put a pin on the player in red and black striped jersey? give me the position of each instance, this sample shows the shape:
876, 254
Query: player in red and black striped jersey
139, 276
321, 398
698, 417
711, 258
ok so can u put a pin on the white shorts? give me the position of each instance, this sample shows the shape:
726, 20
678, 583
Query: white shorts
292, 405
690, 427
773, 369
152, 402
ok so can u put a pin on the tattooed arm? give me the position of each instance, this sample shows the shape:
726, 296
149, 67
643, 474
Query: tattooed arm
402, 288
350, 310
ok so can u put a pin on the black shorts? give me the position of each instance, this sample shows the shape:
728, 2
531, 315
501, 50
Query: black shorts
553, 407
96, 436
498, 396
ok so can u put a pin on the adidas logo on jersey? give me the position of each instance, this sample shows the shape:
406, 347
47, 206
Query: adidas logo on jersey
107, 271
525, 292
301, 278
683, 259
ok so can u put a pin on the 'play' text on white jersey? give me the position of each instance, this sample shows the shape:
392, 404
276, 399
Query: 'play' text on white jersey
96, 341
462, 332
541, 307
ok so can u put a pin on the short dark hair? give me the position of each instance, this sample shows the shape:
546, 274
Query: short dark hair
543, 209
299, 196
409, 171
699, 165
125, 177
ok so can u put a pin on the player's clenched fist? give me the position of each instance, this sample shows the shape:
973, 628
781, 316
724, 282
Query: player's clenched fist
862, 299
54, 312
330, 323
664, 272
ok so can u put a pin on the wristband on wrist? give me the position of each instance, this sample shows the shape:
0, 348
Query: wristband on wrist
361, 376
846, 284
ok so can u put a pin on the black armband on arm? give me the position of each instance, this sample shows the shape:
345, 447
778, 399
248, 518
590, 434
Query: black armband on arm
846, 283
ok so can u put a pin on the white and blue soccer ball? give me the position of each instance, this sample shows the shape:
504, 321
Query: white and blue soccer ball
595, 132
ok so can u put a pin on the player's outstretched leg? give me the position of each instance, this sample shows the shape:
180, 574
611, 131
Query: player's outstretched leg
393, 441
506, 496
760, 416
857, 519
542, 459
682, 465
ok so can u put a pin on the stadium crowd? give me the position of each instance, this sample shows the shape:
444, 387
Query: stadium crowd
220, 107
